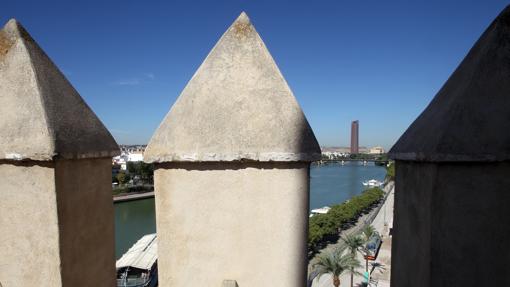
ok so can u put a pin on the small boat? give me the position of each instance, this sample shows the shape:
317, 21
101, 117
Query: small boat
322, 210
372, 183
138, 267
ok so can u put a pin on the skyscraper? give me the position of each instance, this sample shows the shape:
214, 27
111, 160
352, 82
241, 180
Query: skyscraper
354, 137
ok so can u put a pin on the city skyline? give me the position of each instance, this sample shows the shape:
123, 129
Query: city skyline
342, 60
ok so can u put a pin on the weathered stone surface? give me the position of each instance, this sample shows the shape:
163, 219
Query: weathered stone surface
28, 226
246, 221
41, 115
86, 222
236, 107
468, 120
229, 283
56, 223
56, 210
451, 224
451, 214
232, 173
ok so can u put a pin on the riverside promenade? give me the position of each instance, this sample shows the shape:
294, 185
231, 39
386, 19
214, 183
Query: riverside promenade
382, 222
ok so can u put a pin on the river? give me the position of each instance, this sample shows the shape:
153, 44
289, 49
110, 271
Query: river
329, 184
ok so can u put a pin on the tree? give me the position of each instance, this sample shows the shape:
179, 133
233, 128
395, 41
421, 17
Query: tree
133, 167
335, 262
354, 244
322, 226
367, 233
123, 178
146, 171
143, 170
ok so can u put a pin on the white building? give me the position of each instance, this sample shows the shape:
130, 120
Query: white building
376, 150
138, 156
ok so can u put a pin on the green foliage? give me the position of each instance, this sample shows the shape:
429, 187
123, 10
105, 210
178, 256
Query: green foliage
336, 262
353, 242
390, 171
144, 170
368, 231
123, 178
382, 157
367, 156
322, 225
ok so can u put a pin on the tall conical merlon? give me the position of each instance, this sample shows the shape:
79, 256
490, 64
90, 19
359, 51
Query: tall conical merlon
56, 217
237, 106
38, 102
466, 119
231, 175
452, 169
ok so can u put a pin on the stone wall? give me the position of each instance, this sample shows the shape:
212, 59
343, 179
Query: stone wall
245, 221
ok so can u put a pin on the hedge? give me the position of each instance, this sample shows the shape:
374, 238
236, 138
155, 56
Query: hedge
321, 226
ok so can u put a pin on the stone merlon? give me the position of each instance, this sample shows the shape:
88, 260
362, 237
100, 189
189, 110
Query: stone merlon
42, 117
236, 107
469, 118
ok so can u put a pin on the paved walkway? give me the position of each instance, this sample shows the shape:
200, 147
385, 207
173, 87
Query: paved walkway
381, 223
135, 196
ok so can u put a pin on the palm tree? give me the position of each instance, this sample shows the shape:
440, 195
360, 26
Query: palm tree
367, 233
335, 262
354, 244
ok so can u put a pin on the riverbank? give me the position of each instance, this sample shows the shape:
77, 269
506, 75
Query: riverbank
324, 228
132, 196
130, 192
381, 219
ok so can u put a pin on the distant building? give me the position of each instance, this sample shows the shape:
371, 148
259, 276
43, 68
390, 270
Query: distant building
136, 156
376, 150
345, 150
341, 151
334, 155
355, 137
129, 153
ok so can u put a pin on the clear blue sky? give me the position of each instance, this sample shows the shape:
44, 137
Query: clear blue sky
379, 62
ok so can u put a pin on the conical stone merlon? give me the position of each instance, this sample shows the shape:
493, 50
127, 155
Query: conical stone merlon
237, 106
41, 115
469, 117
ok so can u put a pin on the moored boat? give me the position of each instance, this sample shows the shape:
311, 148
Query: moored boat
138, 267
322, 210
372, 183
